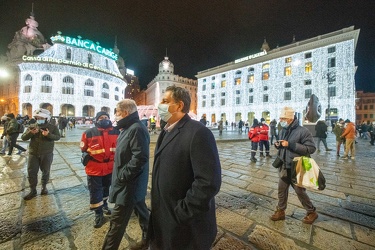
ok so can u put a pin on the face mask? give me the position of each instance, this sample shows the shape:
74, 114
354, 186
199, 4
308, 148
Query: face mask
40, 122
118, 117
104, 123
164, 114
284, 124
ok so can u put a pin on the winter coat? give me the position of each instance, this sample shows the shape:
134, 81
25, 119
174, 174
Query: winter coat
264, 130
100, 143
300, 143
338, 130
254, 134
62, 121
130, 171
321, 129
273, 124
40, 144
12, 127
349, 132
186, 177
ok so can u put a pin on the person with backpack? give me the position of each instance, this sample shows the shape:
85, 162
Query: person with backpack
12, 133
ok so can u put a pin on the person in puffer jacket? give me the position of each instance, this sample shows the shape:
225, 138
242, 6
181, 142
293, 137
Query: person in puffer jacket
263, 138
254, 137
99, 143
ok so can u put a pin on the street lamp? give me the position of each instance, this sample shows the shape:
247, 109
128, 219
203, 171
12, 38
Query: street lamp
329, 98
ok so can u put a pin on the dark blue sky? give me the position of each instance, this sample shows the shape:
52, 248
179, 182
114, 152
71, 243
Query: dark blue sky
198, 34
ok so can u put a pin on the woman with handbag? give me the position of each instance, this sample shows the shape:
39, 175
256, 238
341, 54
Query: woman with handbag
295, 141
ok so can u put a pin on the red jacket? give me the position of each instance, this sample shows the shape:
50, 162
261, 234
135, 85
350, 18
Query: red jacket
254, 134
264, 129
101, 145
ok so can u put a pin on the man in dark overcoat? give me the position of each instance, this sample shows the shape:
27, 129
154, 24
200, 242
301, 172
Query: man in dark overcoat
129, 176
186, 177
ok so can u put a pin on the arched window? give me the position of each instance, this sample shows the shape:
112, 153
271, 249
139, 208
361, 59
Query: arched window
89, 82
46, 84
105, 86
28, 78
116, 89
68, 85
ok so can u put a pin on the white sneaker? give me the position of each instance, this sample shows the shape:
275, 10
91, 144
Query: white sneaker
353, 158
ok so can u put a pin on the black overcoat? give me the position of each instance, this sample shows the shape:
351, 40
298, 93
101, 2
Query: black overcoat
130, 170
186, 177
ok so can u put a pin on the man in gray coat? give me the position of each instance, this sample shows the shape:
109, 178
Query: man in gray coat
129, 176
295, 141
186, 177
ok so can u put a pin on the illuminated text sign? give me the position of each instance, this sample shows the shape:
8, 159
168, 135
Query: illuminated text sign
251, 56
86, 44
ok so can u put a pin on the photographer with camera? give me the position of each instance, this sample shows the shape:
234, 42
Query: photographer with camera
42, 137
295, 141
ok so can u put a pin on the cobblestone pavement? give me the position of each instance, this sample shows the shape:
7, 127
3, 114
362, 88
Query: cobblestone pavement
248, 196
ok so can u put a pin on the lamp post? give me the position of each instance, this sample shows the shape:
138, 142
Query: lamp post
329, 98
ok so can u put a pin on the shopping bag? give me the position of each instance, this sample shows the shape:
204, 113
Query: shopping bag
306, 173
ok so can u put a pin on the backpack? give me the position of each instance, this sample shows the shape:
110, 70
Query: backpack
20, 127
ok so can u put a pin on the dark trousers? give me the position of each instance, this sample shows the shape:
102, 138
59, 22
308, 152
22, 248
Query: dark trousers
254, 148
119, 220
266, 144
99, 190
276, 137
13, 143
36, 162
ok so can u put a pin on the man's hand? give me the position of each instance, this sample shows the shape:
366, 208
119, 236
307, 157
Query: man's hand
45, 131
34, 130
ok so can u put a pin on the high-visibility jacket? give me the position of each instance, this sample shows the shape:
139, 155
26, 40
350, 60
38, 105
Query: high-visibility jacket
254, 134
101, 145
264, 130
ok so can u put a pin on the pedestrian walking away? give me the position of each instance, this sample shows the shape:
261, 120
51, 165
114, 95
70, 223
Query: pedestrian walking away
321, 134
295, 141
186, 177
12, 133
42, 136
98, 146
129, 177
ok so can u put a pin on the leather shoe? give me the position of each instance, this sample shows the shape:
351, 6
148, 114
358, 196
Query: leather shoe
44, 191
310, 218
99, 220
278, 215
142, 245
30, 195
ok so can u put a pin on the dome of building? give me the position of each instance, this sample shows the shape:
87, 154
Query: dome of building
166, 66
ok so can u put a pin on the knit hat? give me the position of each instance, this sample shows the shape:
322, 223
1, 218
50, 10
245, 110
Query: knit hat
262, 120
100, 113
347, 121
44, 113
287, 112
10, 115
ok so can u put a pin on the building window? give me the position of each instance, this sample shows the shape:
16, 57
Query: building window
222, 102
89, 82
308, 55
68, 90
331, 49
365, 107
365, 116
237, 81
203, 104
48, 78
223, 84
116, 89
265, 75
371, 116
288, 60
213, 85
116, 97
371, 106
204, 80
68, 54
307, 82
287, 84
265, 88
47, 83
331, 77
251, 90
105, 95
250, 78
27, 89
213, 78
265, 66
308, 67
238, 100
88, 92
332, 91
89, 58
332, 62
204, 87
212, 103
251, 99
105, 86
223, 76
222, 93
238, 92
204, 96
238, 72
212, 95
265, 98
287, 71
287, 96
308, 93
251, 70
28, 78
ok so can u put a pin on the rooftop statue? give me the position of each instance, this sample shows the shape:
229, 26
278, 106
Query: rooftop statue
313, 109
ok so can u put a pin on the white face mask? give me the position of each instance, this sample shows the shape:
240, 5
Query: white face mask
284, 124
164, 114
40, 122
118, 117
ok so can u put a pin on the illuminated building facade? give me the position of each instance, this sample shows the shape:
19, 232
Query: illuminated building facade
259, 85
365, 107
74, 76
166, 77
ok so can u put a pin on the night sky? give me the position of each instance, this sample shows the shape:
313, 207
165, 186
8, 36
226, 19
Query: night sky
198, 34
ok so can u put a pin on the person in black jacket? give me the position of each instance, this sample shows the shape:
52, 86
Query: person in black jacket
12, 133
42, 136
321, 133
